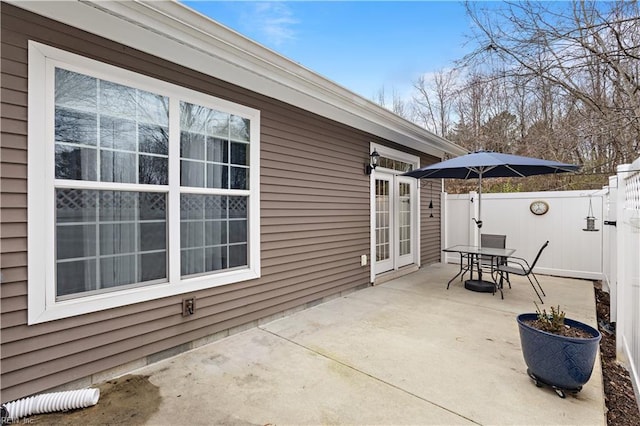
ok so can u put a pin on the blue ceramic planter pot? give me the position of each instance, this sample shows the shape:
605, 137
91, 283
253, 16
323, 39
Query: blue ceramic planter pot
565, 363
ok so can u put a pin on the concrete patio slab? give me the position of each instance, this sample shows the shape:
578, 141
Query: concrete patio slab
405, 352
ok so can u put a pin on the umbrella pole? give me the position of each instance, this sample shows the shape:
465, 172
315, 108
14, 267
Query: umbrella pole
479, 222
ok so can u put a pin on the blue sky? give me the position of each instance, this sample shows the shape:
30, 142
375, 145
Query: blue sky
361, 45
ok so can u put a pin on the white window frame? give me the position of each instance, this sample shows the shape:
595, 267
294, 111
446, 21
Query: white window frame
42, 304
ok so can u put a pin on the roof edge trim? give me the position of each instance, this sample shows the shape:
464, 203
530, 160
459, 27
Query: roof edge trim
176, 33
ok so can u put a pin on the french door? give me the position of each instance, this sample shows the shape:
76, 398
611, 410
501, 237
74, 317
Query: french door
395, 225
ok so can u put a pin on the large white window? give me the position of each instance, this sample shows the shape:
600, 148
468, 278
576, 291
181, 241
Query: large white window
138, 189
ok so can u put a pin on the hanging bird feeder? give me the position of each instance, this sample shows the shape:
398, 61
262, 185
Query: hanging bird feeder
591, 219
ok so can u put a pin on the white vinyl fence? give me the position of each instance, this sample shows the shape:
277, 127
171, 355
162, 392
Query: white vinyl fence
610, 253
627, 283
572, 252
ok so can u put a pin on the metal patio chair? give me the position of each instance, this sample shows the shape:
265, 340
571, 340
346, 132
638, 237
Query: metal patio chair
492, 241
519, 266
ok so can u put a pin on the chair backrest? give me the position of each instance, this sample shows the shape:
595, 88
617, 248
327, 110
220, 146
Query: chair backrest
492, 241
544, 246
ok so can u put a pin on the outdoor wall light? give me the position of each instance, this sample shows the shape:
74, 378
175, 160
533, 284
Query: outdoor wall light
373, 162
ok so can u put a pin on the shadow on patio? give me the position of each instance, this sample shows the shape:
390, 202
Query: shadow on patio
407, 351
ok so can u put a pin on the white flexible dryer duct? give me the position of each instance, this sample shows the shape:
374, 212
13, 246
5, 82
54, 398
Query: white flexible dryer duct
50, 402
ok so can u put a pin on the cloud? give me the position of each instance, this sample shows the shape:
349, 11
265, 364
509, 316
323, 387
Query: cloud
274, 21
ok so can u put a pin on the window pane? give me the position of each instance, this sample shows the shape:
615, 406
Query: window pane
240, 153
154, 139
153, 236
76, 127
117, 166
238, 231
192, 234
192, 174
237, 207
75, 90
152, 205
239, 178
153, 108
216, 258
118, 238
117, 100
192, 145
192, 261
191, 206
215, 233
118, 206
75, 277
119, 270
218, 124
117, 133
217, 176
237, 255
217, 150
153, 170
216, 207
76, 163
73, 241
73, 205
194, 118
153, 266
239, 128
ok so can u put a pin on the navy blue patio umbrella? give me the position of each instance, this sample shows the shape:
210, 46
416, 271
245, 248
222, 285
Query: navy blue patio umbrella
486, 164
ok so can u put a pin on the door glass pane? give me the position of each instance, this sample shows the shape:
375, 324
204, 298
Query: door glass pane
382, 220
404, 220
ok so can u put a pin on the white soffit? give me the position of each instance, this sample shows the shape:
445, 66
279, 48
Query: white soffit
176, 33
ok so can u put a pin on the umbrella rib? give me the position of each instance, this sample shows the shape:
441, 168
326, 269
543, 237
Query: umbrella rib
515, 171
468, 173
480, 170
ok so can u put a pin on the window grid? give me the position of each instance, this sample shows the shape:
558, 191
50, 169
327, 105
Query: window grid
398, 165
199, 140
91, 202
124, 138
102, 115
226, 211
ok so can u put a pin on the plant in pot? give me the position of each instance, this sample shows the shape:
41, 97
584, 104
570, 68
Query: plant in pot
559, 352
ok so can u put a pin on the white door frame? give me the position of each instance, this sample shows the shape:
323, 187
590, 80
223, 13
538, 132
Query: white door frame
415, 201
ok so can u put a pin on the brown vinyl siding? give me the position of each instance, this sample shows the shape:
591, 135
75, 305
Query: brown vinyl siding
314, 224
430, 232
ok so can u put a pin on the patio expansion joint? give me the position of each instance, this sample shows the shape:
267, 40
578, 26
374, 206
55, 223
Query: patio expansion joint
359, 371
